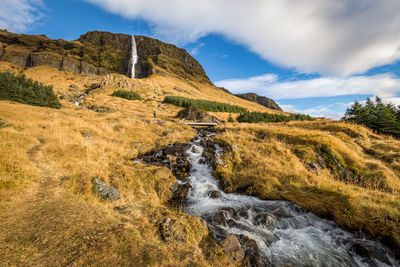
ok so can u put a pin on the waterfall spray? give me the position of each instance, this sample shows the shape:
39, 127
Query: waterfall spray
133, 59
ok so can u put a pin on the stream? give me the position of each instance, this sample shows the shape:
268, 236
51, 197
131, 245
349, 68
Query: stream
286, 234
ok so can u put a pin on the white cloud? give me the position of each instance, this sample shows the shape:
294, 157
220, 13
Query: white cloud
340, 37
195, 50
326, 111
384, 85
18, 15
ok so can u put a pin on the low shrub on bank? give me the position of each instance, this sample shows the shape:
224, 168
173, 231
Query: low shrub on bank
203, 104
20, 89
130, 95
253, 117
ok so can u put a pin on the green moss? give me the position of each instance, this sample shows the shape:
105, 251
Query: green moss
130, 95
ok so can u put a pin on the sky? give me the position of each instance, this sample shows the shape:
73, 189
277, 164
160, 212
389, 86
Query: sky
310, 56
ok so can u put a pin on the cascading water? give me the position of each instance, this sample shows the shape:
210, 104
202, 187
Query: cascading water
133, 59
286, 234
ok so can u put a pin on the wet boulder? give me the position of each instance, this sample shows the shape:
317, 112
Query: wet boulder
181, 168
253, 257
265, 219
181, 192
232, 248
231, 212
175, 149
214, 194
370, 252
195, 150
218, 218
105, 191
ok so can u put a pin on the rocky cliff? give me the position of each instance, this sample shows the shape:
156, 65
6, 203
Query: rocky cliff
100, 53
262, 100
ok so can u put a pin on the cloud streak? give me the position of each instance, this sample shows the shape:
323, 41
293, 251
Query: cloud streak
339, 38
18, 15
385, 85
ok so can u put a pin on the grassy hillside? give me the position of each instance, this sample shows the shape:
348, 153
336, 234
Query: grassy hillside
48, 158
338, 170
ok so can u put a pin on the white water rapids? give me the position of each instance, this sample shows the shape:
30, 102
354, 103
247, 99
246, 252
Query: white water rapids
133, 59
288, 235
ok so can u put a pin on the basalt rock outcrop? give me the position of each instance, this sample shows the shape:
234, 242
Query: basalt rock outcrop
99, 53
197, 115
262, 100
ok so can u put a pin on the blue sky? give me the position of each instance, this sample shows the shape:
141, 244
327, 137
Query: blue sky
310, 56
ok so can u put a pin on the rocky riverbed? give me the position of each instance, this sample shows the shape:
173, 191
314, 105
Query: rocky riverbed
258, 232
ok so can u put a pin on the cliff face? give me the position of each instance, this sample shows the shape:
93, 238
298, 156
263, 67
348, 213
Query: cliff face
262, 100
100, 53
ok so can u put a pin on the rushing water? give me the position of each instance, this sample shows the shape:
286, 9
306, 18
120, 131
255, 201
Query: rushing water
133, 59
286, 234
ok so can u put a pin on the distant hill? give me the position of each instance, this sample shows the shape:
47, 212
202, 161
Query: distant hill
262, 100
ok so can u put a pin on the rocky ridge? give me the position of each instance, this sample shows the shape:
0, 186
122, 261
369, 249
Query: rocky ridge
262, 100
100, 53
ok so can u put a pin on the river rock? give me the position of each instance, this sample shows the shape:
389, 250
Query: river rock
218, 218
214, 194
165, 229
253, 257
265, 219
105, 191
232, 248
181, 191
231, 212
369, 252
195, 150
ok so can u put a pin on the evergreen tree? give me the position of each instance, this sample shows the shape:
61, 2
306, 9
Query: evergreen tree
375, 115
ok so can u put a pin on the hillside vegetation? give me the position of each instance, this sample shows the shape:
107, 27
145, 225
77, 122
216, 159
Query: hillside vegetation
254, 117
130, 95
338, 170
49, 157
18, 88
203, 104
375, 115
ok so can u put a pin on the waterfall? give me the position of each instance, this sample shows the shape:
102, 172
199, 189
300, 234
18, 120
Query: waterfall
133, 59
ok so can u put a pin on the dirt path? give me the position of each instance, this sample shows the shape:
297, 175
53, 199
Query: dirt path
47, 226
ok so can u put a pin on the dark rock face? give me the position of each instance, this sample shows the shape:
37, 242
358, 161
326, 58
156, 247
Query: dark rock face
100, 53
105, 191
195, 114
262, 100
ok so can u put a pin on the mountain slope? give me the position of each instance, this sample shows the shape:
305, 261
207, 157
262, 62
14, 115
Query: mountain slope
49, 157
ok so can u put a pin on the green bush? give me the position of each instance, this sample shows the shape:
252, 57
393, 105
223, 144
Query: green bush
253, 117
375, 115
130, 95
20, 89
230, 119
203, 104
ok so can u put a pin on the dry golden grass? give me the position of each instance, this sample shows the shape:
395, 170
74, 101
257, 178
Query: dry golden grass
48, 212
50, 216
270, 161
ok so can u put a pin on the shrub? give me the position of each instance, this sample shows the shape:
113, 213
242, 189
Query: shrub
253, 117
20, 89
375, 115
203, 104
230, 119
130, 95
